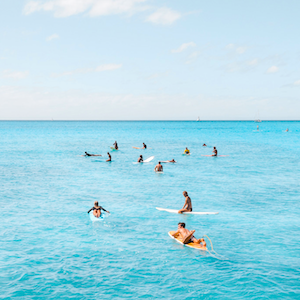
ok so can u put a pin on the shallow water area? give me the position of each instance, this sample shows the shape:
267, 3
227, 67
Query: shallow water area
51, 249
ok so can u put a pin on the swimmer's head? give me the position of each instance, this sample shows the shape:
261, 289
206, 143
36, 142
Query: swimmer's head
181, 224
96, 203
159, 162
141, 155
85, 152
185, 193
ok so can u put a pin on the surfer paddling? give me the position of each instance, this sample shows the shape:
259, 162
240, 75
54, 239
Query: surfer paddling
88, 154
116, 145
187, 207
97, 210
188, 236
158, 167
169, 161
140, 160
109, 157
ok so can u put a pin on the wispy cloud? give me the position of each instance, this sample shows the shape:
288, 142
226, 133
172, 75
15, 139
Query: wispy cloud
183, 47
297, 83
272, 69
16, 75
253, 62
66, 8
52, 37
101, 68
164, 16
236, 49
192, 57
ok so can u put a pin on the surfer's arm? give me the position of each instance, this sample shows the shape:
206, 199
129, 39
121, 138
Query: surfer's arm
90, 210
104, 209
176, 234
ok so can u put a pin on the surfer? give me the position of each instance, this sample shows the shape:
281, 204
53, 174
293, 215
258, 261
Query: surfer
186, 151
144, 146
97, 210
87, 154
158, 167
171, 161
257, 127
204, 145
140, 160
116, 145
287, 130
109, 157
215, 152
185, 233
187, 207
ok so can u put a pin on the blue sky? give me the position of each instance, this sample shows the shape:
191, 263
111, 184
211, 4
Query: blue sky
149, 60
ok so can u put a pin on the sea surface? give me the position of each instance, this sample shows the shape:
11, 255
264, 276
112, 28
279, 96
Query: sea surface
50, 249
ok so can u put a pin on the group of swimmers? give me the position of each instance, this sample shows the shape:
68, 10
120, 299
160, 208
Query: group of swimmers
186, 235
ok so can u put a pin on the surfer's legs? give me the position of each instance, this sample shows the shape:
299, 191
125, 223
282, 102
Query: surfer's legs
184, 210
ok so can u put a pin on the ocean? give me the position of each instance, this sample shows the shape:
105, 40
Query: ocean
50, 249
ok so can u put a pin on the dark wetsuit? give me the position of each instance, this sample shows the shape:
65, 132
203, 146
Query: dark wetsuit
97, 208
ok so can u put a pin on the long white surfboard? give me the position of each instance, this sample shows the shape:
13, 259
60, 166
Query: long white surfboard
175, 211
145, 161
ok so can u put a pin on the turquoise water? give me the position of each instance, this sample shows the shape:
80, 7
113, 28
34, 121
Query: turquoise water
51, 249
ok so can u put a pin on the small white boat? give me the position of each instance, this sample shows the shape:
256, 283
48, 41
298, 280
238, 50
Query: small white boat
198, 119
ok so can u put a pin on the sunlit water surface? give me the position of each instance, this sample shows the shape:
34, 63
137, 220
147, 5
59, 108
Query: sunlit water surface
51, 249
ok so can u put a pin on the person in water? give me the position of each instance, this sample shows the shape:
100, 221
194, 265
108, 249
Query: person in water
87, 154
204, 145
287, 130
187, 207
172, 161
158, 167
257, 127
144, 146
182, 232
116, 145
215, 152
97, 210
109, 157
186, 151
140, 159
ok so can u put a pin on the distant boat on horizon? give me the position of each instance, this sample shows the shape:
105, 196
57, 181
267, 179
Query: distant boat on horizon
198, 119
258, 120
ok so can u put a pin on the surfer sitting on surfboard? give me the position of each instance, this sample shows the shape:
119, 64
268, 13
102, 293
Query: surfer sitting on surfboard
87, 154
97, 210
188, 236
187, 207
204, 145
109, 157
144, 146
215, 152
186, 151
140, 159
116, 145
158, 167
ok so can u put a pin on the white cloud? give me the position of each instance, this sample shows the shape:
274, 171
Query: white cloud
108, 67
101, 68
16, 75
184, 47
237, 49
52, 37
297, 82
164, 16
66, 8
253, 62
272, 69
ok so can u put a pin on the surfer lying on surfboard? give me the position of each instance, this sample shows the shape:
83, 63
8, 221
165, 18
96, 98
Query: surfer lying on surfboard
187, 236
97, 210
88, 154
169, 161
187, 207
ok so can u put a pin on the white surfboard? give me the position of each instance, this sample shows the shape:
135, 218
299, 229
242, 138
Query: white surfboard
175, 211
148, 159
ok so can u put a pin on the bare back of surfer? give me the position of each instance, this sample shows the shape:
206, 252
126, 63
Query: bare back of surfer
140, 160
187, 207
158, 167
109, 157
215, 152
182, 233
88, 154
